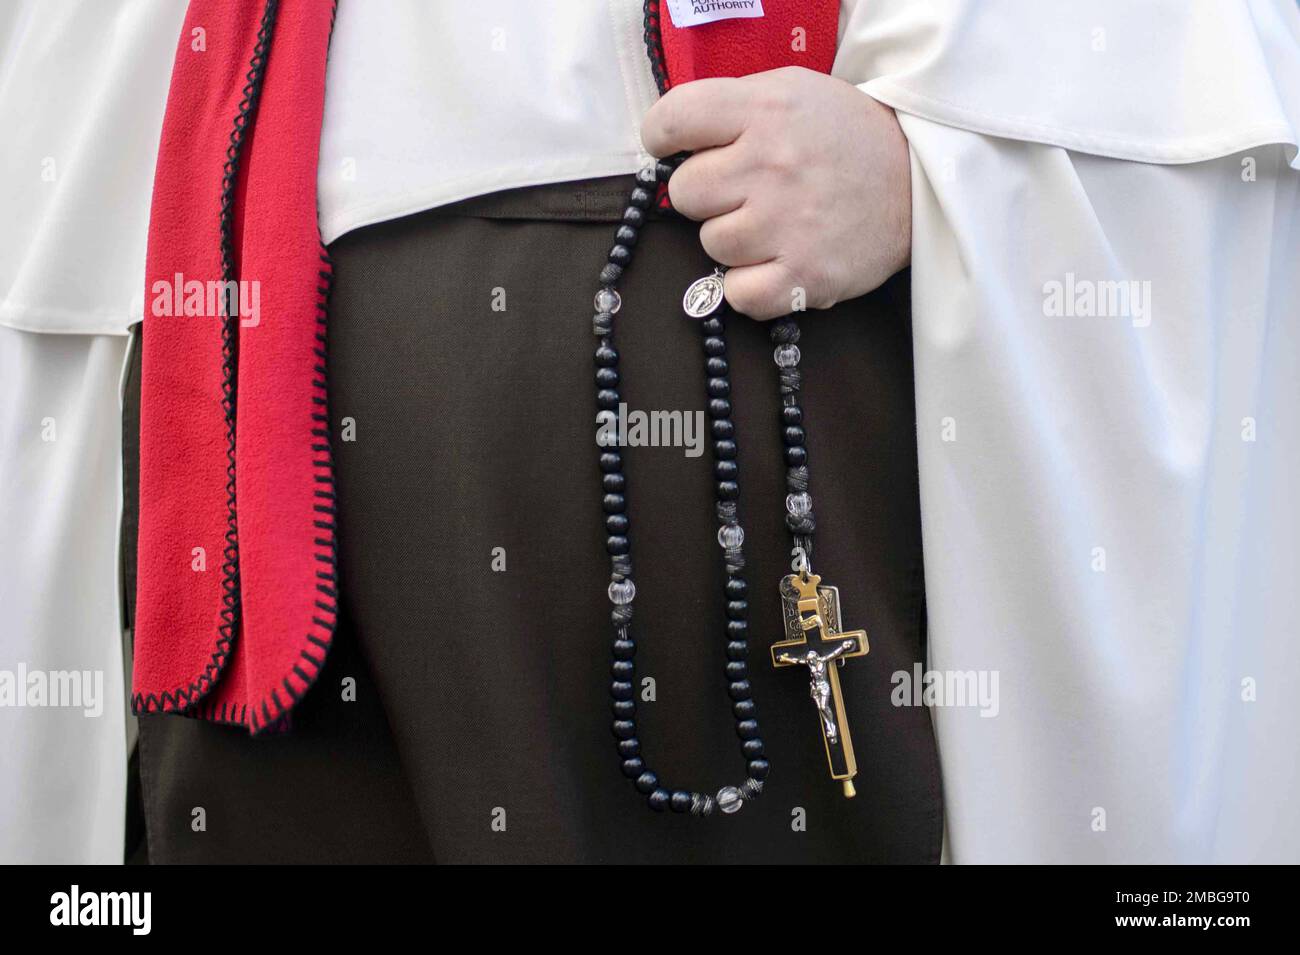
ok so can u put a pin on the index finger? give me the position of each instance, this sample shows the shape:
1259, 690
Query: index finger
696, 115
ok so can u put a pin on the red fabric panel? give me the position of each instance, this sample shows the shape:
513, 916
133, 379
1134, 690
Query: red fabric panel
742, 46
283, 439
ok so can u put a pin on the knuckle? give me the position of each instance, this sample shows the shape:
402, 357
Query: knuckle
752, 298
792, 284
737, 294
721, 243
816, 281
781, 159
660, 126
682, 191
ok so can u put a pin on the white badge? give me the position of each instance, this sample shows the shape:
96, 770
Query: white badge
691, 13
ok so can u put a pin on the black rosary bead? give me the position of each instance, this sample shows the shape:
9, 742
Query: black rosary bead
752, 748
758, 769
621, 590
793, 435
622, 669
796, 457
791, 414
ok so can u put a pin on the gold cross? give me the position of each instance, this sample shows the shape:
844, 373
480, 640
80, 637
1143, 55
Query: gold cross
809, 606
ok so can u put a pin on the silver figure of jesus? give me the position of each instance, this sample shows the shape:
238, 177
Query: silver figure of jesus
819, 686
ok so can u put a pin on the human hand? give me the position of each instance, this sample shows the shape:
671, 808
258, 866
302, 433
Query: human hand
801, 181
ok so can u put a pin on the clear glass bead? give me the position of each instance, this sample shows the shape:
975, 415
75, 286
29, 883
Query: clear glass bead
729, 800
731, 536
608, 300
786, 356
622, 592
798, 504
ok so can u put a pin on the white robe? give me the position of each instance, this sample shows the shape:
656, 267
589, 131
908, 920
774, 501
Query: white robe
1108, 500
82, 89
1107, 489
62, 768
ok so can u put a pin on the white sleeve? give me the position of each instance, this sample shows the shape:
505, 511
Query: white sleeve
1166, 81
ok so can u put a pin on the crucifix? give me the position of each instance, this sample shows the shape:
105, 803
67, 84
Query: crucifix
809, 606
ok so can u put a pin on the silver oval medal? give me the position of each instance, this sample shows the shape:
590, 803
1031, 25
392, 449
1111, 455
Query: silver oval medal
703, 296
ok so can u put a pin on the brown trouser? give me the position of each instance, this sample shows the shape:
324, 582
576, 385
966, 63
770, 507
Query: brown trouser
480, 726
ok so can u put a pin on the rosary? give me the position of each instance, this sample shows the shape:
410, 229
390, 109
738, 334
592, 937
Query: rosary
813, 634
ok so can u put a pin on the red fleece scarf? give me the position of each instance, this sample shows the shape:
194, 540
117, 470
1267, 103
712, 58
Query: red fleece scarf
236, 597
